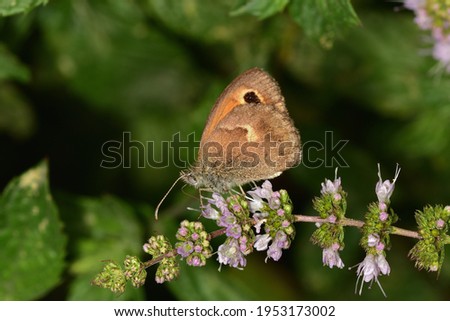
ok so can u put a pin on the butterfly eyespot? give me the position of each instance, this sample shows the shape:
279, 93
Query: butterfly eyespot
251, 97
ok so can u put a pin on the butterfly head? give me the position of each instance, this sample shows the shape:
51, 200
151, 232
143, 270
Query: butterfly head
191, 178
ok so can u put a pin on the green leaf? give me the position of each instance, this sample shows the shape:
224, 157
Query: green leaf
33, 245
11, 68
99, 230
11, 7
261, 8
323, 19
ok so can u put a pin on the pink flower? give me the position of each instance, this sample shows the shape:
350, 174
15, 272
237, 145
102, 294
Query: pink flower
385, 189
414, 4
383, 216
229, 253
330, 256
440, 223
441, 51
423, 20
373, 240
369, 270
262, 242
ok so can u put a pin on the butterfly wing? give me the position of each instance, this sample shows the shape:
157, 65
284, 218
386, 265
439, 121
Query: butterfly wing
254, 86
250, 143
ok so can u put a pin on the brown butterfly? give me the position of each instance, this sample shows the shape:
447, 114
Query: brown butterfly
248, 136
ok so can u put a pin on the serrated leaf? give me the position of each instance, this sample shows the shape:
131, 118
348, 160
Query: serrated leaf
261, 8
33, 245
11, 67
11, 7
323, 19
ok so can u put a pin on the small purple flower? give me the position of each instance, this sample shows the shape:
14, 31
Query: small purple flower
382, 206
383, 265
383, 216
219, 202
440, 223
243, 245
274, 252
422, 19
229, 253
234, 231
227, 219
332, 187
274, 201
256, 203
237, 208
330, 256
332, 218
385, 189
372, 240
369, 270
262, 242
210, 212
329, 187
279, 243
185, 248
441, 51
264, 192
183, 231
414, 4
194, 260
380, 246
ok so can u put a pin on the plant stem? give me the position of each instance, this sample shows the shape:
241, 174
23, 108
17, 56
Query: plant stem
298, 218
355, 223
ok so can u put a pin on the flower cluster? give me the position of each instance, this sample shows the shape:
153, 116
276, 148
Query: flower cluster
272, 212
134, 271
268, 212
331, 206
376, 233
434, 15
433, 227
111, 277
160, 247
114, 278
194, 243
233, 214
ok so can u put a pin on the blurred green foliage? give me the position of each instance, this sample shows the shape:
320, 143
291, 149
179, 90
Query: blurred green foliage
77, 74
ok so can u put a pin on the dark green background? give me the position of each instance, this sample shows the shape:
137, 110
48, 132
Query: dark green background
84, 72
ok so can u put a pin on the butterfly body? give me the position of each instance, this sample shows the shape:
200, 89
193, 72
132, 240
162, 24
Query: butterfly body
249, 136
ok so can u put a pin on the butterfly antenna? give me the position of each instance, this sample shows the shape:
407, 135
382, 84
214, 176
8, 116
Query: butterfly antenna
165, 196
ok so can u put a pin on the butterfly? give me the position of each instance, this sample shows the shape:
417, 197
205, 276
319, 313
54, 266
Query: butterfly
249, 136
